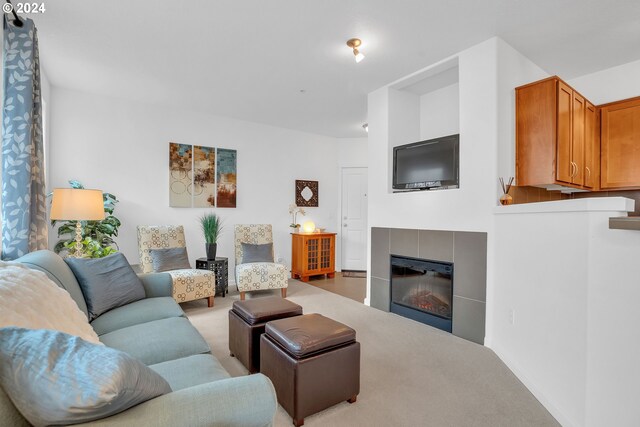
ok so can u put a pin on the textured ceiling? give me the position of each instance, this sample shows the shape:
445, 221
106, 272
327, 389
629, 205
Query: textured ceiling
250, 59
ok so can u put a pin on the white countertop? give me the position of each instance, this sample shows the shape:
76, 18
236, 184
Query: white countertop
591, 204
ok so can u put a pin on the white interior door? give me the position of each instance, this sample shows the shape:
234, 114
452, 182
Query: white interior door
354, 219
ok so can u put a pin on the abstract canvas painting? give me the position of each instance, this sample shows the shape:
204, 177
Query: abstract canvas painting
226, 175
204, 176
180, 175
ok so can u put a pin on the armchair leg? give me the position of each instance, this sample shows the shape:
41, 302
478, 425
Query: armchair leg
241, 296
283, 291
210, 301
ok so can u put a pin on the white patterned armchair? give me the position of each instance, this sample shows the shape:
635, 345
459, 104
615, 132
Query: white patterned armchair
188, 284
257, 275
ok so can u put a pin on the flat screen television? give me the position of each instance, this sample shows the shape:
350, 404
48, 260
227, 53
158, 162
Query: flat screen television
425, 165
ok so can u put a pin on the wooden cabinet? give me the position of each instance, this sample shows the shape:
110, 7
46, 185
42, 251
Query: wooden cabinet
620, 136
312, 254
591, 146
555, 136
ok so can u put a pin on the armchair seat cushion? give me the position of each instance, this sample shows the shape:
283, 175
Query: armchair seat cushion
261, 275
190, 371
143, 311
158, 341
189, 284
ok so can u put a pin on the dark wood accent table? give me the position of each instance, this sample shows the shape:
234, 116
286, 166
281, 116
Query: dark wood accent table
220, 266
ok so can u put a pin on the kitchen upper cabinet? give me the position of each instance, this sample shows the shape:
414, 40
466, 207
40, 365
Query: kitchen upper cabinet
553, 128
620, 136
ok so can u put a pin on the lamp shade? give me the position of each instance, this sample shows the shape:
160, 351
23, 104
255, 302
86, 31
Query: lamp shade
77, 205
309, 227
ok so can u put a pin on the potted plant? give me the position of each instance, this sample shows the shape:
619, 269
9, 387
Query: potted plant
211, 225
294, 210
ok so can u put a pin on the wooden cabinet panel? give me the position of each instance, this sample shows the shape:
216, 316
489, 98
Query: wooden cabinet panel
536, 133
564, 167
577, 139
312, 254
620, 145
591, 148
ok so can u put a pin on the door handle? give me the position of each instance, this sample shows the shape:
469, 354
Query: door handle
344, 225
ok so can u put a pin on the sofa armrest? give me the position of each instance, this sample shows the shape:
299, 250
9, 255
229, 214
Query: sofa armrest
241, 401
157, 284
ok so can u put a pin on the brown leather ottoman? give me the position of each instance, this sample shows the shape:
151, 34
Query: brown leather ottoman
313, 363
246, 323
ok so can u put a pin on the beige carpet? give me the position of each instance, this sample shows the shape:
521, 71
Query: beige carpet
411, 374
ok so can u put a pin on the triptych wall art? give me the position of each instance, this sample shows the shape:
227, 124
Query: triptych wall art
201, 177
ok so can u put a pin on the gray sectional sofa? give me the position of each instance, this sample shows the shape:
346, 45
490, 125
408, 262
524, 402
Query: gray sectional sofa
156, 331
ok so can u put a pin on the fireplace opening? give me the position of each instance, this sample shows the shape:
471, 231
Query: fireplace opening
422, 290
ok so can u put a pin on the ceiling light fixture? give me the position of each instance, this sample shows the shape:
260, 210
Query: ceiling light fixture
354, 44
366, 127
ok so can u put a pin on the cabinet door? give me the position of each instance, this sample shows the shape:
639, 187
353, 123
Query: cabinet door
577, 139
313, 254
564, 167
590, 148
620, 145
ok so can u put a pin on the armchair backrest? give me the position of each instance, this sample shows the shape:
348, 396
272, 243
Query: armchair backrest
255, 234
157, 237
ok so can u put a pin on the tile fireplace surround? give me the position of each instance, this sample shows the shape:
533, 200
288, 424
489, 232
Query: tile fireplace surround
466, 250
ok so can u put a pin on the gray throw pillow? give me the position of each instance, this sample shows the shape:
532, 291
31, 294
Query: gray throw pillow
257, 253
169, 259
54, 378
106, 283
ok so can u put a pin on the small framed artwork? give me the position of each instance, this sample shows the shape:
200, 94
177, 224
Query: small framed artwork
306, 193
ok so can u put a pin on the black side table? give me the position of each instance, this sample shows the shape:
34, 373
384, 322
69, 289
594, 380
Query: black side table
221, 269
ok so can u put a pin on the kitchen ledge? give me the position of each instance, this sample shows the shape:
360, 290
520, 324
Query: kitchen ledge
591, 204
625, 223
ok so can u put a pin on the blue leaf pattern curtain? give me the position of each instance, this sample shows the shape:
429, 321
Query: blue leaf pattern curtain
24, 222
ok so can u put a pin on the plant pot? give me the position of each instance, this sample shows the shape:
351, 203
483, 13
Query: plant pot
211, 248
506, 199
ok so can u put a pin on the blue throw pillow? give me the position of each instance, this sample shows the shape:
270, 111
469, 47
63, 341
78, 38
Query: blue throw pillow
169, 259
257, 253
54, 378
106, 283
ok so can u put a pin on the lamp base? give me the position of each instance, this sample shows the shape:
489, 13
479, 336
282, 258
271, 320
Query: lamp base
78, 253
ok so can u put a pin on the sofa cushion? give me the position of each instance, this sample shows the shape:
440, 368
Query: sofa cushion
158, 341
192, 370
107, 282
54, 266
142, 311
29, 299
168, 259
55, 378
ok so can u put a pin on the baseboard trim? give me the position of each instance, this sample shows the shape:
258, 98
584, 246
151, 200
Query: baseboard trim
534, 389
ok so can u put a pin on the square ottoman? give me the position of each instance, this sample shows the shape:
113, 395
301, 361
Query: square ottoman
247, 322
313, 363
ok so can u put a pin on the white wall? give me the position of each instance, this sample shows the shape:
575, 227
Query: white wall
440, 112
612, 84
394, 119
514, 69
572, 285
122, 147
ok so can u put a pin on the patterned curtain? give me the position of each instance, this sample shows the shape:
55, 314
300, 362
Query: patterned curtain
24, 222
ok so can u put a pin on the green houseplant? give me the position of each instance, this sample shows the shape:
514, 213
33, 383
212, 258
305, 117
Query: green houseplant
97, 236
211, 225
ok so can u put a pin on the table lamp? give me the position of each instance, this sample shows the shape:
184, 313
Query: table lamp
73, 204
